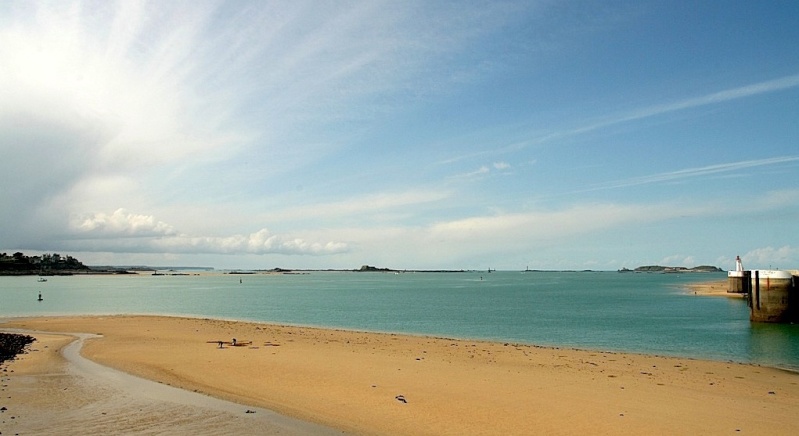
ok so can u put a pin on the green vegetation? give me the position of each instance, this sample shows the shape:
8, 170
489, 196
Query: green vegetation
46, 264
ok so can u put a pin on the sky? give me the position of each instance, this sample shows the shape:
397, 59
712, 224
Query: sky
411, 135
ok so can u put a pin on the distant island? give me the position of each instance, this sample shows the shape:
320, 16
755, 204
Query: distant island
672, 269
370, 268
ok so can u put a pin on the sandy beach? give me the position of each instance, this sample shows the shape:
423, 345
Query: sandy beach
367, 383
54, 390
713, 288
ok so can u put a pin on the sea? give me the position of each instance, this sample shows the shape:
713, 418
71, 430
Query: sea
647, 313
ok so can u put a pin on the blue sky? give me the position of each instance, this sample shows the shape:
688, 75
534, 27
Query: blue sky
475, 135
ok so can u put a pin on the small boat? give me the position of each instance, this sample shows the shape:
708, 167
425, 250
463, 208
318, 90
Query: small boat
42, 279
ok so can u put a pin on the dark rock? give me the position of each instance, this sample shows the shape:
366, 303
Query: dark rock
13, 344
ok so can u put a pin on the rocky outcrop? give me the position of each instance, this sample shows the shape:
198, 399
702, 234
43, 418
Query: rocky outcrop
12, 344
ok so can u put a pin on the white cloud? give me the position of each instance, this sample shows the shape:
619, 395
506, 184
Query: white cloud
678, 260
120, 223
122, 231
260, 242
770, 257
501, 165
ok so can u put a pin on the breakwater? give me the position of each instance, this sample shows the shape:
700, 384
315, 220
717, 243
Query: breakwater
772, 297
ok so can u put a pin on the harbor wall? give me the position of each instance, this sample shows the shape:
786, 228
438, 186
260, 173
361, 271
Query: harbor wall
773, 297
739, 282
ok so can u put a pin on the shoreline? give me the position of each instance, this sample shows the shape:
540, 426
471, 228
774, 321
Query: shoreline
715, 288
380, 383
101, 399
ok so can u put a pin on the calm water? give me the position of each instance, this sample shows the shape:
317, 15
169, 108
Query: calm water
647, 313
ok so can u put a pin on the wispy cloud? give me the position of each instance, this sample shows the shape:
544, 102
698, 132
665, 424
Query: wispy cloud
775, 85
452, 243
768, 86
692, 173
715, 98
512, 228
483, 170
368, 205
479, 172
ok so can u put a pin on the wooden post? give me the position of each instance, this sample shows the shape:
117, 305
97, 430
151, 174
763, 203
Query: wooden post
747, 286
757, 288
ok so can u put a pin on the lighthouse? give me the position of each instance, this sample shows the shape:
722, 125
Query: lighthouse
737, 282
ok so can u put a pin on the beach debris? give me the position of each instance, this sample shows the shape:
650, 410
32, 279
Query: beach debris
401, 399
233, 343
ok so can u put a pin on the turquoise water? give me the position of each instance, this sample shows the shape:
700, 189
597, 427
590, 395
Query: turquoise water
644, 313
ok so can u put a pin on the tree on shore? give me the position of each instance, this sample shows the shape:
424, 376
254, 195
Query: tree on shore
46, 263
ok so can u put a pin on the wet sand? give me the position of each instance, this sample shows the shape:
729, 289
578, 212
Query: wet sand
366, 383
713, 288
54, 390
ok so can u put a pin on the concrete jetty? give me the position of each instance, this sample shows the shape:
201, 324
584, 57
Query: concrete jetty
773, 295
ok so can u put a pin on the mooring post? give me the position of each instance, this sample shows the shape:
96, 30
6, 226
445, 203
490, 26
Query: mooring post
747, 287
757, 288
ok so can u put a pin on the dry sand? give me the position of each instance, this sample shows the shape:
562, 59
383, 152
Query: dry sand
367, 383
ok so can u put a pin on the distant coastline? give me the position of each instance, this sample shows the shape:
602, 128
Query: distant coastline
672, 269
19, 264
